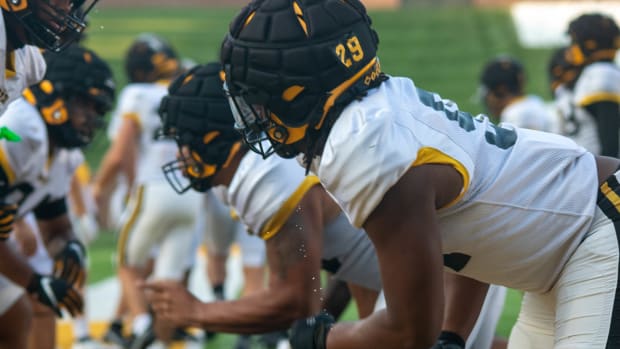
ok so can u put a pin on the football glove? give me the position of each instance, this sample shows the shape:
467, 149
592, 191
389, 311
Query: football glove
7, 218
70, 263
55, 293
449, 340
311, 333
86, 228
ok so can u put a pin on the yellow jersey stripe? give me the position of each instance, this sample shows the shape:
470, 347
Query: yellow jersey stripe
127, 227
133, 117
273, 226
6, 166
428, 155
611, 196
600, 97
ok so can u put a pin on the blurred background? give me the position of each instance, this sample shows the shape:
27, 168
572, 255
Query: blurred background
441, 44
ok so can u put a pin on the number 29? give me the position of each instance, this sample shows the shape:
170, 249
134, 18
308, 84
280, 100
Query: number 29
353, 49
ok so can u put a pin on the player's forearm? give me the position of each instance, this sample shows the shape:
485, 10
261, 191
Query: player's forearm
260, 312
14, 266
376, 331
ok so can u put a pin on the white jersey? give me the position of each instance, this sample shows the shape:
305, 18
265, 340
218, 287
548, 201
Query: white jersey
514, 180
597, 82
140, 102
264, 192
28, 67
260, 188
33, 174
529, 112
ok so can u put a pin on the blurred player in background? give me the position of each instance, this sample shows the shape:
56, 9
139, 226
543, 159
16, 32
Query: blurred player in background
502, 89
55, 118
595, 103
157, 217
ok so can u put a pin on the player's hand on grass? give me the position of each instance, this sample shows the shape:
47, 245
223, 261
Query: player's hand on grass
70, 263
171, 302
55, 293
311, 332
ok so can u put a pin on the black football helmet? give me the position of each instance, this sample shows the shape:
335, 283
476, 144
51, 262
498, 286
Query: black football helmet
503, 75
151, 58
594, 37
292, 66
50, 24
75, 75
196, 114
560, 70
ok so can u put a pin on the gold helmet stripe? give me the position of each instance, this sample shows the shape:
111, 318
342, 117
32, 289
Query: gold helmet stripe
337, 92
300, 17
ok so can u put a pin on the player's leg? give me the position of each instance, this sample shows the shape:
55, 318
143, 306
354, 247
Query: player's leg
365, 299
219, 232
483, 333
15, 315
587, 293
336, 297
253, 258
143, 230
43, 333
177, 244
534, 326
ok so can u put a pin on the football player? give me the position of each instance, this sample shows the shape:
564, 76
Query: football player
595, 39
28, 25
302, 226
55, 117
502, 90
159, 218
432, 186
562, 76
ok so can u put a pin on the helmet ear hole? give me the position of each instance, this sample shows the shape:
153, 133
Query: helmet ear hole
56, 113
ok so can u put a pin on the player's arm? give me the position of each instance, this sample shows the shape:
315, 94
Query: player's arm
463, 300
607, 114
408, 245
120, 158
293, 292
59, 238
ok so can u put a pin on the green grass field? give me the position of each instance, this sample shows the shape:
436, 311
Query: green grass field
443, 49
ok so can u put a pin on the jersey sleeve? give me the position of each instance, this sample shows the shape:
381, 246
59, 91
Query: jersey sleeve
130, 104
373, 144
25, 158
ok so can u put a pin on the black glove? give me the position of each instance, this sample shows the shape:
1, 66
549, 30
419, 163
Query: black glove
311, 333
449, 340
55, 293
70, 263
7, 218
